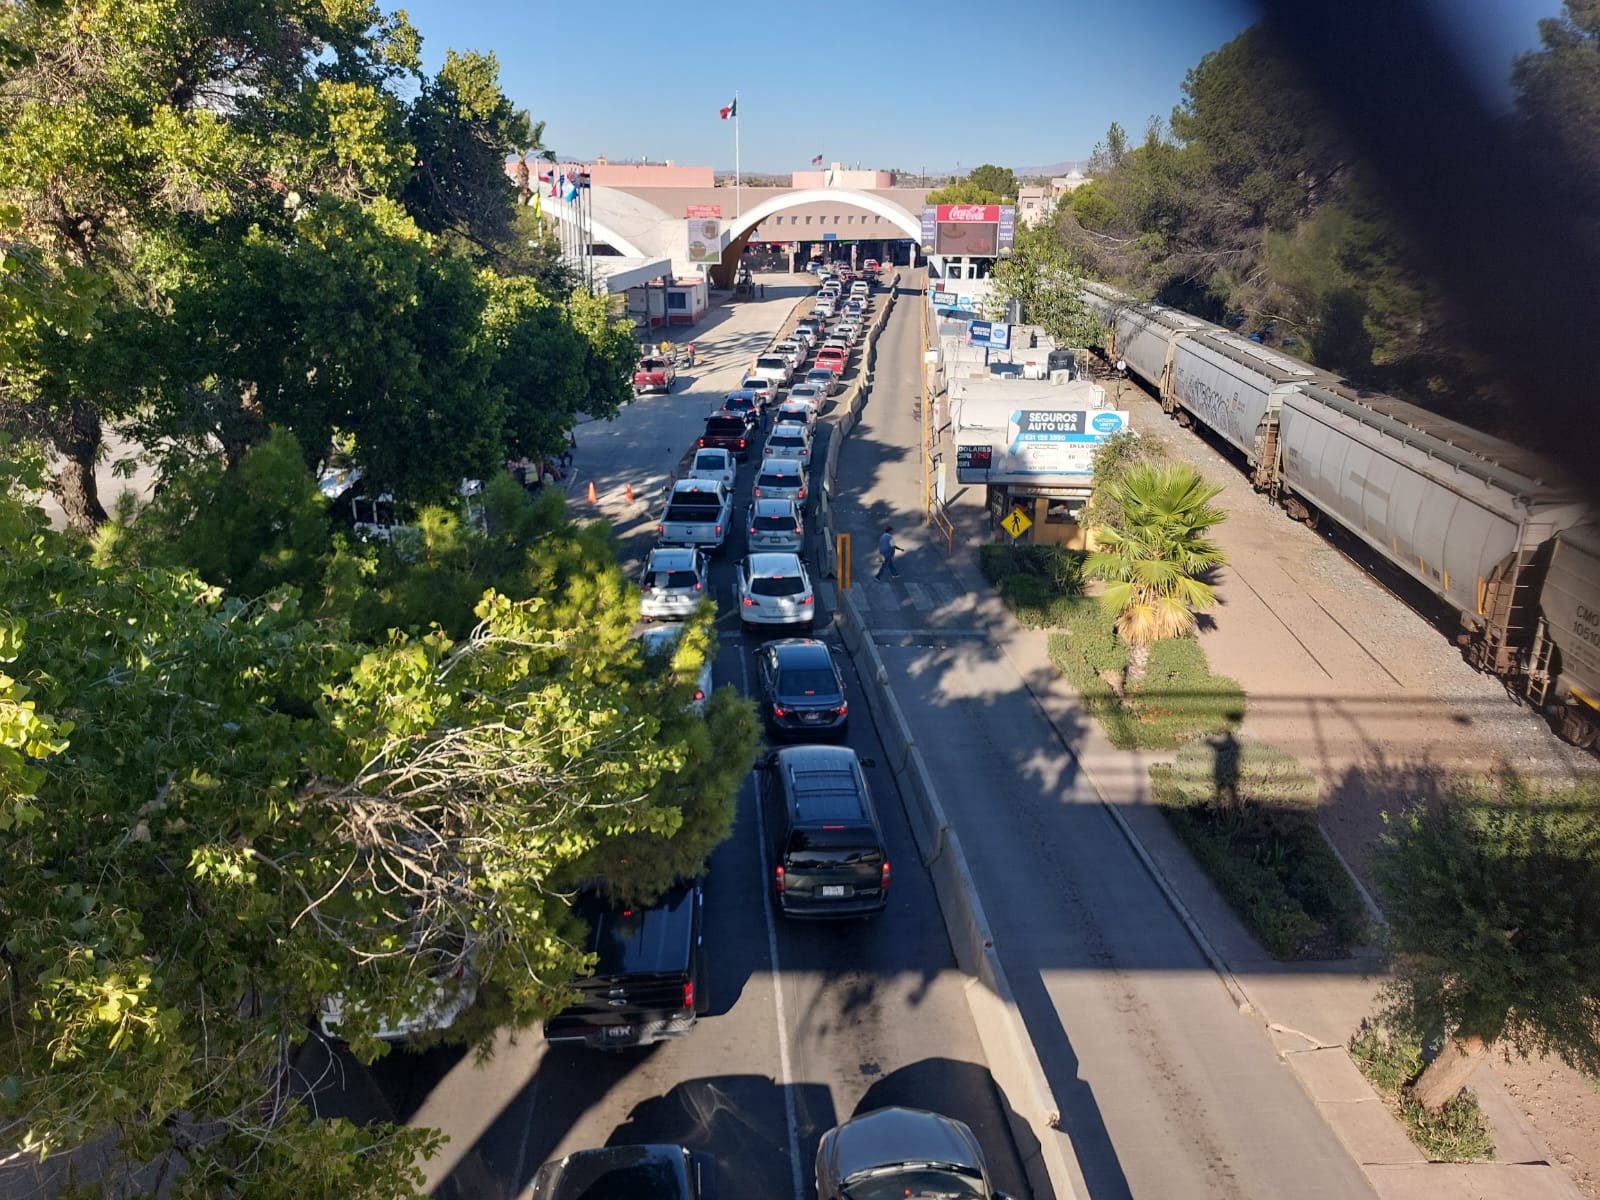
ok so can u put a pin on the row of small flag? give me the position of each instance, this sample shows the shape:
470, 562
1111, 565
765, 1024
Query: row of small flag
564, 185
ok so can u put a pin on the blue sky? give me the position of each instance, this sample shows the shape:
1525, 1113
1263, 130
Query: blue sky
888, 83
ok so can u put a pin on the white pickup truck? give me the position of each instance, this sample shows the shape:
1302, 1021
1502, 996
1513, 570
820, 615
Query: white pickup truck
698, 513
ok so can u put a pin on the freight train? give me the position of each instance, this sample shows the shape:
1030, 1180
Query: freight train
1487, 527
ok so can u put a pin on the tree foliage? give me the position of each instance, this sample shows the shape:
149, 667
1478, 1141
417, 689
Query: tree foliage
1152, 564
1039, 275
1248, 208
963, 191
1558, 97
1493, 925
219, 811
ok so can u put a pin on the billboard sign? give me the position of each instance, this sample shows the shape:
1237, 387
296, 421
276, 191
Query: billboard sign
1008, 228
996, 335
1057, 441
705, 240
969, 230
703, 210
944, 299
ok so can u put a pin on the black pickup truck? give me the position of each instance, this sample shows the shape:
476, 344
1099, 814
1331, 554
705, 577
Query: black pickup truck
650, 981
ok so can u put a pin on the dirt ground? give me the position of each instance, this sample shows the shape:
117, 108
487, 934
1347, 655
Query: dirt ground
1373, 696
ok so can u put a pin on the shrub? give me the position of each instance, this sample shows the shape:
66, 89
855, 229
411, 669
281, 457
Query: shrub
1247, 813
1458, 1133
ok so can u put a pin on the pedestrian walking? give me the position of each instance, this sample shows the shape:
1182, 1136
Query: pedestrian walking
887, 548
691, 354
566, 455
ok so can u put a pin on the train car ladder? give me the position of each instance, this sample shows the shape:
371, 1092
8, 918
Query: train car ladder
1510, 611
1539, 679
1265, 471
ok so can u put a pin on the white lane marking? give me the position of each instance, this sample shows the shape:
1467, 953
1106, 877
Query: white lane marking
785, 1070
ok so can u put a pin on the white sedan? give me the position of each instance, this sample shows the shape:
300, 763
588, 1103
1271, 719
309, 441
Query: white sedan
774, 589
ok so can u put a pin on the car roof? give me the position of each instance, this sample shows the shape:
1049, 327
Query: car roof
825, 781
714, 451
800, 652
781, 503
773, 562
896, 1135
780, 466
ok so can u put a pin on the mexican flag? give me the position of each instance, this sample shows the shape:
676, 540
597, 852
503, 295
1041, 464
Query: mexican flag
730, 110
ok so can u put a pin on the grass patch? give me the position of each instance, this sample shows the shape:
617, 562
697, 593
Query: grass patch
1458, 1133
1179, 698
1177, 701
1247, 813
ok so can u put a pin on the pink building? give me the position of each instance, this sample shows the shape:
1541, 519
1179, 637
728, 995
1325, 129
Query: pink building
837, 176
621, 175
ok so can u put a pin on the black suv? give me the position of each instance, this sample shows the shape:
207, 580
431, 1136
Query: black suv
650, 981
802, 695
730, 431
824, 844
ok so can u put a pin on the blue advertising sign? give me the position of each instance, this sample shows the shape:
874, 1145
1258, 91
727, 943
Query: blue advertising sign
830, 237
988, 333
1108, 422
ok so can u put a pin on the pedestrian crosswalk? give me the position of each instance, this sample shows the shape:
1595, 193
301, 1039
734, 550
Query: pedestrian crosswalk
888, 595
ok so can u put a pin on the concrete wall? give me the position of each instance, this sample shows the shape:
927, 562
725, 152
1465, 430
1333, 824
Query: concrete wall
836, 176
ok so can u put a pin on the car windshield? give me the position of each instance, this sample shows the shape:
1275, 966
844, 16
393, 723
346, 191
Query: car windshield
778, 480
914, 1183
776, 524
710, 462
777, 585
808, 681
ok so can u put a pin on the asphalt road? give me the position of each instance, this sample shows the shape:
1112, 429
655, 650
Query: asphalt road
811, 1023
1166, 1090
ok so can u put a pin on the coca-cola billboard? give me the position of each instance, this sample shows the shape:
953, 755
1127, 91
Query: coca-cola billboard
969, 230
965, 213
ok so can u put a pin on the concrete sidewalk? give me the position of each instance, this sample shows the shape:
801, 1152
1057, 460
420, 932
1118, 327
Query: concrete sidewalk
1165, 1085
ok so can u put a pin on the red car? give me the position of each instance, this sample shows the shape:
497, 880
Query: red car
833, 360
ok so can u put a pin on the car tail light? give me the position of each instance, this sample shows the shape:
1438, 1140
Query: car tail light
883, 881
741, 443
697, 585
719, 530
796, 529
688, 993
779, 711
699, 693
777, 878
844, 707
807, 600
660, 530
802, 493
702, 443
748, 603
757, 491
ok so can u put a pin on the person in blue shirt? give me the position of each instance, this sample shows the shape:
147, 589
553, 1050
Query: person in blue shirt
887, 548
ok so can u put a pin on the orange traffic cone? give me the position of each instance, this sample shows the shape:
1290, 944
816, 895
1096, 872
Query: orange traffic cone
630, 493
592, 496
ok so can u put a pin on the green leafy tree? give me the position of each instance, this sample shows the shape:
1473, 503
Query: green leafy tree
1558, 96
963, 191
1038, 274
1493, 925
1000, 181
134, 129
1152, 564
248, 812
463, 128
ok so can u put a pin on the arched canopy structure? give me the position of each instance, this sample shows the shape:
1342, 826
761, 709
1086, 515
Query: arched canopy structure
909, 225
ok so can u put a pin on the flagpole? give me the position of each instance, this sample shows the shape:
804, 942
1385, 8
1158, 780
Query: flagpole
736, 209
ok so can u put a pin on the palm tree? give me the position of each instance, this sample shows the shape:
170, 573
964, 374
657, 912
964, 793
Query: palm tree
1152, 562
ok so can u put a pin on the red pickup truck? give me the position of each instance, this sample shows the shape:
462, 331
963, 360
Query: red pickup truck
654, 374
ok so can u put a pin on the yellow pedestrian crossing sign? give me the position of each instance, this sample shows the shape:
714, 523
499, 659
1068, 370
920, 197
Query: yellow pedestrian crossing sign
1016, 524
